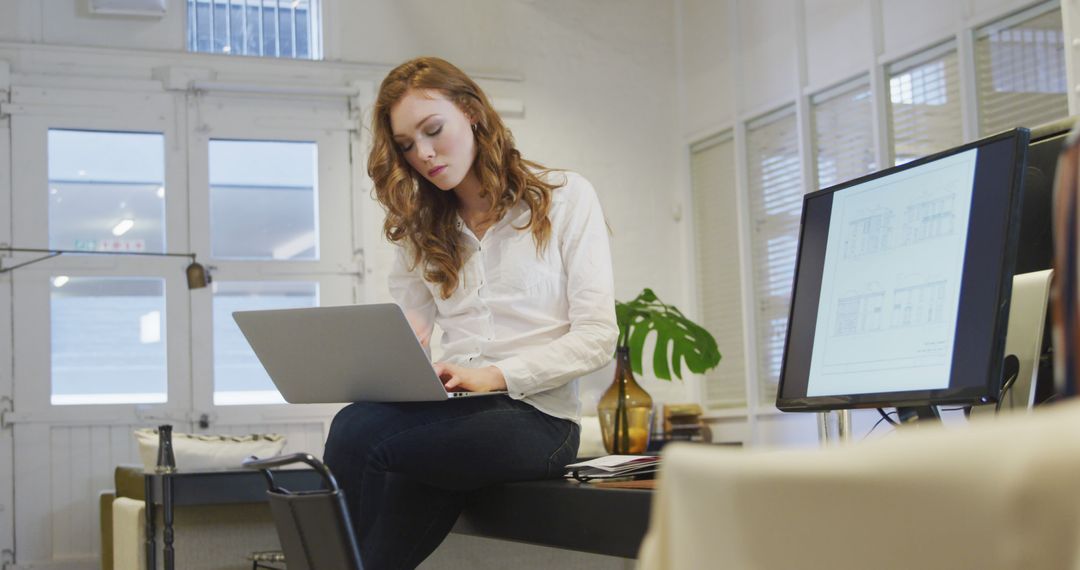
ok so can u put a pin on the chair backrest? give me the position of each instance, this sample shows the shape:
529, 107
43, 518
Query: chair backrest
313, 526
314, 530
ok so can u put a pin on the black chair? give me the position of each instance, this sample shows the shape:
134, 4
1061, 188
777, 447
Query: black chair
313, 526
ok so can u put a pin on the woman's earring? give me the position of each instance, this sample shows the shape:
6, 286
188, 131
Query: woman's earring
474, 127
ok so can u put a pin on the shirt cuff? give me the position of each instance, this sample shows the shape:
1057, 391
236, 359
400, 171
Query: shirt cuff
519, 381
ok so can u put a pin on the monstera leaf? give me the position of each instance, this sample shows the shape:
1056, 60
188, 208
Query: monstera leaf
676, 335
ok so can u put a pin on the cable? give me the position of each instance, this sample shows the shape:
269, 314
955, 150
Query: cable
1055, 396
1011, 368
886, 417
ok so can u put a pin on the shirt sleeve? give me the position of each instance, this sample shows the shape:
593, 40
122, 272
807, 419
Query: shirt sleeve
409, 291
590, 342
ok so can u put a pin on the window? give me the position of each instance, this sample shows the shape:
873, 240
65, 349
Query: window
108, 342
263, 200
1020, 70
719, 289
106, 191
239, 378
776, 190
924, 103
274, 28
843, 133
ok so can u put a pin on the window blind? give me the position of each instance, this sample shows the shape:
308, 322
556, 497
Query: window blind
1020, 70
712, 172
924, 103
775, 183
843, 120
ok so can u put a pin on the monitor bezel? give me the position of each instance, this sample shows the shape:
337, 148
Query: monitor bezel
943, 396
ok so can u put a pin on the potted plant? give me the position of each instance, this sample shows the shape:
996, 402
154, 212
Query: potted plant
626, 409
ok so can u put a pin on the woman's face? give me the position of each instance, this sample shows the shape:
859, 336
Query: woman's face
435, 136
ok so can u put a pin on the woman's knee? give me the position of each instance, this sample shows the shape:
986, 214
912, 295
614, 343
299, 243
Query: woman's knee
351, 432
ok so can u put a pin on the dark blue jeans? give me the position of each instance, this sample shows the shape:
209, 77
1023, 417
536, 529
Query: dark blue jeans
406, 467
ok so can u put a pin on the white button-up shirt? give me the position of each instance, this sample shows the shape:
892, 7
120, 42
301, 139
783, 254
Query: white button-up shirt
543, 321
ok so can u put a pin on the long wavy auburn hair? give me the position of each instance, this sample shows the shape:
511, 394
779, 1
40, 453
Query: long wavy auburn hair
418, 212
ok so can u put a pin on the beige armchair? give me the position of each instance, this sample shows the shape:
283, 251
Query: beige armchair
999, 495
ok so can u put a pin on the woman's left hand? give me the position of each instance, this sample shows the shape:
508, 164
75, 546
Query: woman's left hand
458, 378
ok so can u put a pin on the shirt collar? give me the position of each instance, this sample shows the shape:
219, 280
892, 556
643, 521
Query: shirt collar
510, 214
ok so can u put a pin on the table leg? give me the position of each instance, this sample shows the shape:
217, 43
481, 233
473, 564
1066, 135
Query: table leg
148, 489
167, 515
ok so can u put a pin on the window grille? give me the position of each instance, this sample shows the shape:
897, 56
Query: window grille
1020, 70
716, 234
273, 28
776, 191
924, 103
843, 133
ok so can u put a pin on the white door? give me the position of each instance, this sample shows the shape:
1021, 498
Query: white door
271, 211
101, 343
259, 188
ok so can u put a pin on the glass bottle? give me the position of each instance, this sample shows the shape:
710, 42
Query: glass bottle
625, 410
166, 461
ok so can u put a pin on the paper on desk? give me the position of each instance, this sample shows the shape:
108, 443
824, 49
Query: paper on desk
615, 462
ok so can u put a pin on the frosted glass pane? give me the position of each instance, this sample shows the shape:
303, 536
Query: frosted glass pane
106, 191
263, 200
239, 378
108, 340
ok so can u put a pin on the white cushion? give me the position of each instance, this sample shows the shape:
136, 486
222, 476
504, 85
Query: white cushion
195, 452
994, 495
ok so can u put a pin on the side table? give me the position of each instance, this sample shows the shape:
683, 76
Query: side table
217, 487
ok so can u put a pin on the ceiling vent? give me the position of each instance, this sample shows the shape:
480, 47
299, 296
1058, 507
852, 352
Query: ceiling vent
149, 8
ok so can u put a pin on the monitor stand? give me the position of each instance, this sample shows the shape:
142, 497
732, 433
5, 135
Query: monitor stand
908, 414
1024, 341
842, 434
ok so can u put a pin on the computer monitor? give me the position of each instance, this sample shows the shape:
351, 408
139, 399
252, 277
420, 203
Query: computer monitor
902, 283
1035, 249
1036, 246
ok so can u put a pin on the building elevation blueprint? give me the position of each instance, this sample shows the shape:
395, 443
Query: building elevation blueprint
890, 288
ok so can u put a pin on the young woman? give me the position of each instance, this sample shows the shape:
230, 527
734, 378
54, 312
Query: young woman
511, 260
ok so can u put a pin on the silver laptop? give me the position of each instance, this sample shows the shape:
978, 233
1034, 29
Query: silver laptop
354, 353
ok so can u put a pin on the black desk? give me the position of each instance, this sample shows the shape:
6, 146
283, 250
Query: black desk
558, 513
563, 514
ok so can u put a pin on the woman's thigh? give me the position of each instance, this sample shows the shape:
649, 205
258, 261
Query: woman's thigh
456, 444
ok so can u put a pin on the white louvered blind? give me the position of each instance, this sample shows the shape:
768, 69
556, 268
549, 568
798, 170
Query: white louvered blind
776, 191
924, 103
712, 164
843, 133
1020, 70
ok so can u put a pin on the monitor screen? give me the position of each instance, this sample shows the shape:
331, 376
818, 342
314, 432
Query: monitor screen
902, 283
